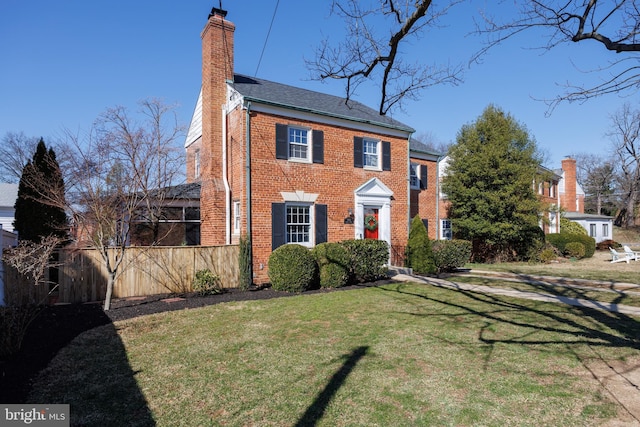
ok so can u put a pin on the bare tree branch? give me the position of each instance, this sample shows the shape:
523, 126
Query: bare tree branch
366, 52
613, 24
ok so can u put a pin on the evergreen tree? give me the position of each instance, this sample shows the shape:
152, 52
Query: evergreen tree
489, 184
36, 216
419, 255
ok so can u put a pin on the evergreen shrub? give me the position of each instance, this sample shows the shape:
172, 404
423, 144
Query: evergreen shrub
560, 240
292, 268
207, 283
451, 254
418, 254
368, 259
334, 264
574, 250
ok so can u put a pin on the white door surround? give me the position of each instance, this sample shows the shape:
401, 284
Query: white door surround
373, 194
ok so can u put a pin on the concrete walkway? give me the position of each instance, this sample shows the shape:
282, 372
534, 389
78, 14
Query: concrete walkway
538, 296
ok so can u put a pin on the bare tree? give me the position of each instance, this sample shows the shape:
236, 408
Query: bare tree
597, 177
625, 140
117, 176
613, 24
16, 150
371, 49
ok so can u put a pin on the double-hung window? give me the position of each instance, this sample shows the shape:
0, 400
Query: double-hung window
299, 144
414, 178
236, 217
371, 153
446, 232
299, 224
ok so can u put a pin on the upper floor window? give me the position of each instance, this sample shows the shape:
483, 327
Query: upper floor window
298, 143
371, 153
414, 178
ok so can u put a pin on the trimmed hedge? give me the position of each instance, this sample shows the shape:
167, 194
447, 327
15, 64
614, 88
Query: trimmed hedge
292, 268
451, 254
560, 240
368, 259
334, 262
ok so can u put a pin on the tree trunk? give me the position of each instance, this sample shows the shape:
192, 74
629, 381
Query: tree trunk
107, 299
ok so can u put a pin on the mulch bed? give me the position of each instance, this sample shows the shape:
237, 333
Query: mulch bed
57, 325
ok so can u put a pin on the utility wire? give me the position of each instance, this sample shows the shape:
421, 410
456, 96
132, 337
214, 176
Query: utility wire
264, 47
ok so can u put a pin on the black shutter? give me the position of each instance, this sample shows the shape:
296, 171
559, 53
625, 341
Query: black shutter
278, 225
321, 223
357, 152
423, 176
318, 146
282, 142
386, 156
426, 224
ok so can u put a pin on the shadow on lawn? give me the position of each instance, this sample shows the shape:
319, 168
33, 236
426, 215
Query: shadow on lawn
315, 412
99, 384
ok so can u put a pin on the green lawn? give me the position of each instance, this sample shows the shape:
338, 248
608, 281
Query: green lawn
394, 355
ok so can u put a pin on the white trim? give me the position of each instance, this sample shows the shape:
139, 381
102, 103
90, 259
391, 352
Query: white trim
373, 194
299, 196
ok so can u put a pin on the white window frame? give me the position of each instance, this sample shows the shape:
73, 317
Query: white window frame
196, 164
236, 217
593, 230
445, 229
293, 132
605, 230
310, 232
414, 176
368, 143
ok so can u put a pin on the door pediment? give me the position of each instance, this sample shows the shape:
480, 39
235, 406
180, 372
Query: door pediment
374, 188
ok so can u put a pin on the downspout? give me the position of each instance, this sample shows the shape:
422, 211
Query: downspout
438, 225
248, 183
225, 178
559, 210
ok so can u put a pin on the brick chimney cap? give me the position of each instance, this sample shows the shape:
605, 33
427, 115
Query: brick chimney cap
218, 12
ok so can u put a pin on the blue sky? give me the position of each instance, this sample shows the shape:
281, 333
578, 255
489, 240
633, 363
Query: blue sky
63, 63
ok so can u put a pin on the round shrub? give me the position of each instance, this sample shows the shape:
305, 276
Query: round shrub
574, 250
292, 268
334, 262
368, 259
451, 254
570, 227
207, 283
547, 255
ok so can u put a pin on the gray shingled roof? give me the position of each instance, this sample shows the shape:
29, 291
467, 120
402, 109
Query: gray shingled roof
419, 147
267, 92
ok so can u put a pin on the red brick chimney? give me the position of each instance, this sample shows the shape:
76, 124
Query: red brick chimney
217, 69
568, 200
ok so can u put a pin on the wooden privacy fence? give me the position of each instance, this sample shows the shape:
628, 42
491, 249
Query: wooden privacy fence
82, 277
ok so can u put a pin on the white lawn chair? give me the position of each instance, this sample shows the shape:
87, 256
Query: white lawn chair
618, 257
631, 254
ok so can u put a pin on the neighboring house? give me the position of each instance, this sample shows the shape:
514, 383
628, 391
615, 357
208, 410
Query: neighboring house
8, 197
563, 195
600, 227
424, 180
179, 222
289, 165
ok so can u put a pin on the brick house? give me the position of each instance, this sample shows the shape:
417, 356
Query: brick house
289, 165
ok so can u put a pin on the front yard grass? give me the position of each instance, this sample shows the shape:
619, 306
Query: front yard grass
394, 355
